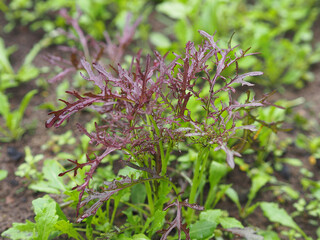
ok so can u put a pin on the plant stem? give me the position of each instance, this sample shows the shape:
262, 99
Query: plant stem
115, 207
149, 196
199, 167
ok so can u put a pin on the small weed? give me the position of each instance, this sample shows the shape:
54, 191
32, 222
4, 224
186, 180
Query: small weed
13, 129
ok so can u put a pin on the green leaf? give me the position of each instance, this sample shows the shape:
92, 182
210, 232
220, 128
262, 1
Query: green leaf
258, 181
140, 237
247, 233
278, 215
221, 192
29, 169
318, 232
291, 192
4, 59
52, 183
72, 196
211, 215
3, 174
89, 229
202, 229
47, 213
46, 210
27, 73
269, 235
123, 237
250, 209
24, 103
302, 141
45, 220
157, 221
216, 172
293, 161
176, 10
160, 40
44, 42
4, 106
138, 194
230, 222
233, 195
20, 231
65, 227
13, 119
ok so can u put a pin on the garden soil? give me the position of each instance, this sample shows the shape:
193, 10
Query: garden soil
16, 198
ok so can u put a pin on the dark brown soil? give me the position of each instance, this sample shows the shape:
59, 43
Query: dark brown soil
16, 198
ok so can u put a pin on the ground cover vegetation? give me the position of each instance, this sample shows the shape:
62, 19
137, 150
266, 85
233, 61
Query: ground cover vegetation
167, 117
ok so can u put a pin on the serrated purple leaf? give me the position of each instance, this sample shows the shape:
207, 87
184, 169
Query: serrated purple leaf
239, 78
247, 232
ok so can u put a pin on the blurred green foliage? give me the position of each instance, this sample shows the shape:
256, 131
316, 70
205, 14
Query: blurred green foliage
280, 30
95, 15
12, 129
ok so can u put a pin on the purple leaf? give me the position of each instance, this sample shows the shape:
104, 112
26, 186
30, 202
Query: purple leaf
239, 78
247, 232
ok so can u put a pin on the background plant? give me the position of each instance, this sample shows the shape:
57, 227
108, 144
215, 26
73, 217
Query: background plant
93, 19
12, 128
281, 31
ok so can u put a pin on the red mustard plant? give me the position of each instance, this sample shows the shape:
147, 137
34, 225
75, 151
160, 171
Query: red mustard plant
145, 114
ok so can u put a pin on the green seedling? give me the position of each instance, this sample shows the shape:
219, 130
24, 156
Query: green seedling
27, 71
311, 144
49, 181
259, 180
267, 137
216, 223
45, 180
42, 15
216, 172
309, 205
13, 129
286, 59
5, 67
49, 223
57, 142
28, 169
280, 216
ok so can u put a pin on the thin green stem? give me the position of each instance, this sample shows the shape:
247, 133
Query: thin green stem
149, 196
165, 161
115, 207
200, 165
137, 208
108, 210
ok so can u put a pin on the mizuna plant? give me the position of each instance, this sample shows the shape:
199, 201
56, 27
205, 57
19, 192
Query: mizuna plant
144, 114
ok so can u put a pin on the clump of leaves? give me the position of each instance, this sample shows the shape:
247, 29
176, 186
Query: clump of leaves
11, 127
144, 114
50, 222
89, 48
281, 31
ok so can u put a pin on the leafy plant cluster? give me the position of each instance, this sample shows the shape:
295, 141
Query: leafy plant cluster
43, 15
147, 116
169, 121
280, 30
144, 116
11, 127
95, 15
